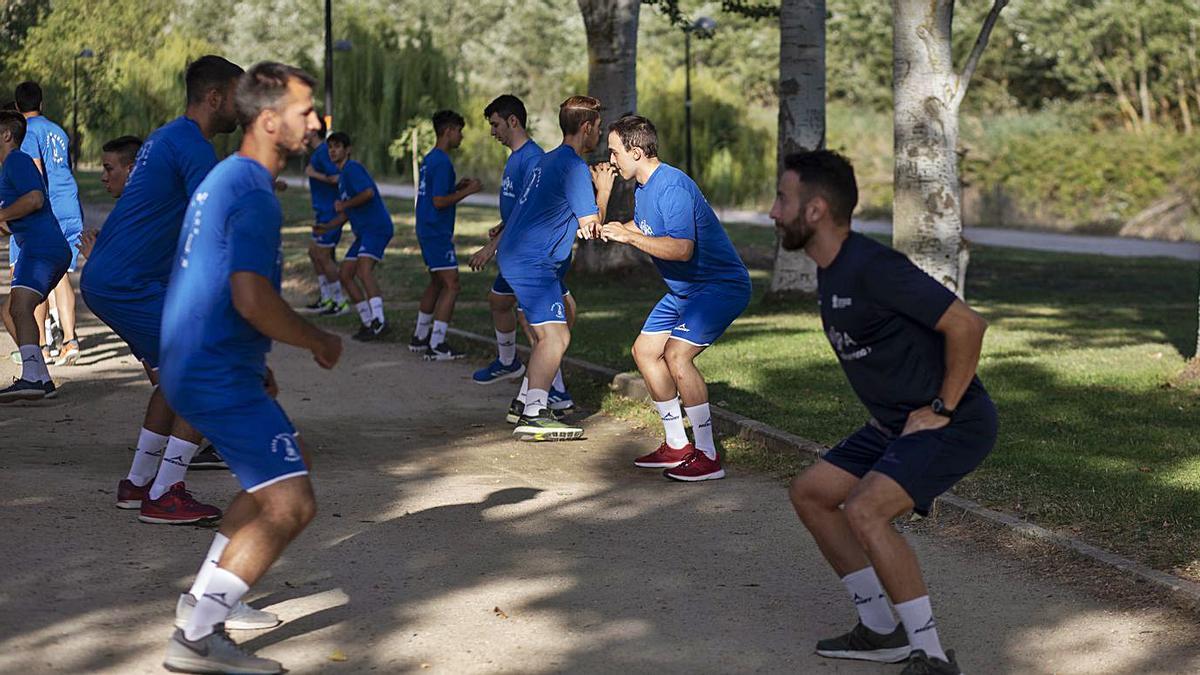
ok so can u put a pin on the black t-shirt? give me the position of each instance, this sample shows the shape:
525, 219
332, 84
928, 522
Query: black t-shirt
878, 310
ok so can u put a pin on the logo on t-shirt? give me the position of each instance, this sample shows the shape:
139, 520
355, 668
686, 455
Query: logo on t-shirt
845, 346
841, 303
645, 228
506, 187
531, 182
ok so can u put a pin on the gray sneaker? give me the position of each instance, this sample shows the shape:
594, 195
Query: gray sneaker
215, 653
864, 644
922, 664
242, 617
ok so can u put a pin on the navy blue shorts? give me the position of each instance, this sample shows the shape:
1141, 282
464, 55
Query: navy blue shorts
136, 321
40, 270
926, 463
329, 238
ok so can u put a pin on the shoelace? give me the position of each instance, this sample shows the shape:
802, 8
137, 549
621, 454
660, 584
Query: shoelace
228, 642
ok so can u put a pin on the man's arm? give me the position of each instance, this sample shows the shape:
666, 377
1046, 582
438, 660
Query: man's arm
320, 177
963, 329
663, 248
465, 188
24, 205
338, 220
257, 301
355, 201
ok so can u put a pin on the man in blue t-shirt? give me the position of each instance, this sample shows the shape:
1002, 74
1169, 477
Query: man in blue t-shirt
506, 116
556, 204
360, 204
222, 312
438, 192
125, 282
910, 349
322, 250
708, 287
49, 146
26, 214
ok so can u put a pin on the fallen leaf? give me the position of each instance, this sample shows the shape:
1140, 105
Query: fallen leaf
1145, 469
499, 612
337, 655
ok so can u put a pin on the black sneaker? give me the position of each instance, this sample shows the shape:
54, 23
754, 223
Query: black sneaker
920, 664
515, 410
364, 334
379, 328
443, 352
418, 345
315, 306
864, 644
207, 458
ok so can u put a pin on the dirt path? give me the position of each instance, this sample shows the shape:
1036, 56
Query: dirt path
443, 546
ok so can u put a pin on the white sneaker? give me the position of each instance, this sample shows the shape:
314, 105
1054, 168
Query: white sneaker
242, 617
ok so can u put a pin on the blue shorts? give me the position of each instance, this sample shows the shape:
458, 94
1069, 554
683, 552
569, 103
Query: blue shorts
330, 238
701, 317
40, 271
255, 439
501, 286
137, 321
926, 463
438, 252
540, 298
369, 245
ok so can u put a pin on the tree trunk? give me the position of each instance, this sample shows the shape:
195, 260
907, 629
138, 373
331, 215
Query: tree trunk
612, 30
801, 117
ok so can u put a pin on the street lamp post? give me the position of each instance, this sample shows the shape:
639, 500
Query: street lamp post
704, 26
328, 66
85, 54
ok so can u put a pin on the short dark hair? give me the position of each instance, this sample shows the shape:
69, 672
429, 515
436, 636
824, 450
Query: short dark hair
575, 111
341, 138
506, 105
28, 96
8, 105
126, 147
447, 119
263, 86
829, 173
636, 131
14, 123
207, 73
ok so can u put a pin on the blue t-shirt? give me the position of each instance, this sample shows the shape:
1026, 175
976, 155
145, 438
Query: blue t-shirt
47, 142
879, 311
541, 229
520, 162
323, 194
670, 205
372, 216
210, 354
136, 246
437, 180
39, 230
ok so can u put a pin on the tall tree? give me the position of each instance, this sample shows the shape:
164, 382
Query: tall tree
927, 94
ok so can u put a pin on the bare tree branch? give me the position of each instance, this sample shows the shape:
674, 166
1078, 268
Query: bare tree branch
981, 42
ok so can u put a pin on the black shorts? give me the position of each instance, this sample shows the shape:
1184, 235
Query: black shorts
926, 463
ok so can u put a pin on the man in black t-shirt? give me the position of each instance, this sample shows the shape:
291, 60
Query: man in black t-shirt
909, 348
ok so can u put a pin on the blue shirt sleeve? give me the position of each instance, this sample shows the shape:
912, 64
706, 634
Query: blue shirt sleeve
578, 184
254, 234
24, 176
32, 145
441, 178
355, 179
675, 207
894, 282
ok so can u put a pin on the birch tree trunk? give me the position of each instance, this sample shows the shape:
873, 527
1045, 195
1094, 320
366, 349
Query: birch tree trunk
801, 117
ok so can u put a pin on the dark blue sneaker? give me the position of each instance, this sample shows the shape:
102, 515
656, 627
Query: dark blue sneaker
559, 401
24, 390
496, 371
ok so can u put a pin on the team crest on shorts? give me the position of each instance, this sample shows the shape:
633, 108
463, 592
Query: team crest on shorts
559, 310
287, 444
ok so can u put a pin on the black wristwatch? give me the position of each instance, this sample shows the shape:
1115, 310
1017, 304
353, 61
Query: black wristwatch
939, 408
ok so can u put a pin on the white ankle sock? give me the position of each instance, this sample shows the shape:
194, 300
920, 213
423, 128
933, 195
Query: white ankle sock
174, 465
324, 287
33, 364
150, 447
701, 419
506, 346
672, 419
213, 557
535, 401
364, 312
224, 590
917, 617
438, 336
377, 308
870, 600
524, 393
424, 324
335, 287
558, 384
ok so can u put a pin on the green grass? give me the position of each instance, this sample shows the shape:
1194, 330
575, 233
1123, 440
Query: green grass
1080, 358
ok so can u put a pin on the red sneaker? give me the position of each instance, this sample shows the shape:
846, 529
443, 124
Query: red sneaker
665, 457
697, 467
177, 507
130, 496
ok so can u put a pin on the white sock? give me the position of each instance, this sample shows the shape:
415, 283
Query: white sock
558, 384
438, 336
210, 564
335, 287
917, 617
424, 324
672, 419
150, 447
324, 287
535, 401
506, 346
33, 364
52, 315
870, 600
223, 591
524, 393
174, 465
701, 420
376, 308
364, 312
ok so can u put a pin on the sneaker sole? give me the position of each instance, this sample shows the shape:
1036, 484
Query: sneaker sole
561, 407
512, 419
891, 655
68, 360
32, 396
716, 475
235, 624
658, 465
129, 504
452, 357
501, 378
533, 434
198, 665
175, 521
